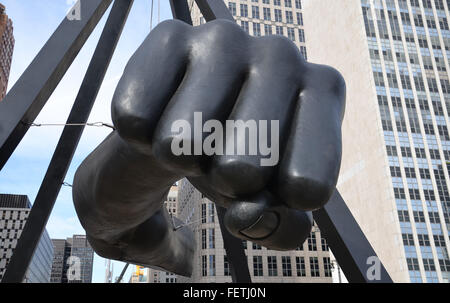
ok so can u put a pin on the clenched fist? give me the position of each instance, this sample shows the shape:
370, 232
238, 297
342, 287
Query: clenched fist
252, 125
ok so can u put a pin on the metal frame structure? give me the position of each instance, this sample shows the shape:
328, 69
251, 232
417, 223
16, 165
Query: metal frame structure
33, 89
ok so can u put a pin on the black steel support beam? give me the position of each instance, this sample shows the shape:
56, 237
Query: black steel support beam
352, 250
181, 11
68, 143
235, 252
30, 93
213, 9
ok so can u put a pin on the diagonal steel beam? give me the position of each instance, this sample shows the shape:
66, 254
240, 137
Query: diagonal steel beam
181, 11
68, 143
213, 9
348, 243
30, 93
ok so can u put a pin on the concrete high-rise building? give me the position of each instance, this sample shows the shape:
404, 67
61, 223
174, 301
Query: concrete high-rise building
73, 261
159, 276
14, 211
309, 263
6, 50
394, 56
264, 18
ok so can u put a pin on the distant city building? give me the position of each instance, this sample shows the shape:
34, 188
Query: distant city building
309, 263
6, 50
73, 261
109, 272
14, 211
395, 173
139, 276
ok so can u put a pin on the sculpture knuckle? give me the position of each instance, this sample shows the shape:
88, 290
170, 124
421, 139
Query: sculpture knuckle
223, 33
169, 33
283, 49
306, 193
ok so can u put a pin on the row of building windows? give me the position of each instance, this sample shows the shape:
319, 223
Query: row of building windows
209, 266
287, 3
279, 30
208, 240
266, 14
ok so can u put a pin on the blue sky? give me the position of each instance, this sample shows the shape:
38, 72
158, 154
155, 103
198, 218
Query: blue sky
34, 21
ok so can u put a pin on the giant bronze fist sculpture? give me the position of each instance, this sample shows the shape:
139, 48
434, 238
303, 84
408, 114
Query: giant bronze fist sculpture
219, 73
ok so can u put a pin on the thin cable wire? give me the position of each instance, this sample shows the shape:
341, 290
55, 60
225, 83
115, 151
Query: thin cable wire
96, 124
189, 223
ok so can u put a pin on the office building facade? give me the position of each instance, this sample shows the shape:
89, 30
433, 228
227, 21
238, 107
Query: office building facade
14, 211
73, 260
6, 49
309, 263
394, 56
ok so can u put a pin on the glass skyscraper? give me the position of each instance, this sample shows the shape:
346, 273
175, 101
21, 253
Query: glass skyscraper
394, 55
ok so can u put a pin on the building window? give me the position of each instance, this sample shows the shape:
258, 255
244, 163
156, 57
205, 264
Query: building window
301, 35
267, 29
232, 8
304, 53
244, 10
289, 17
255, 12
203, 213
204, 266
211, 213
299, 19
226, 267
312, 245
267, 15
278, 15
272, 266
257, 266
244, 25
301, 268
286, 266
298, 4
204, 239
314, 266
212, 265
212, 238
324, 245
256, 246
291, 33
256, 29
327, 266
279, 30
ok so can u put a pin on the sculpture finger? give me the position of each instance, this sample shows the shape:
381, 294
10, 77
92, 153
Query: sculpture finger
310, 164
